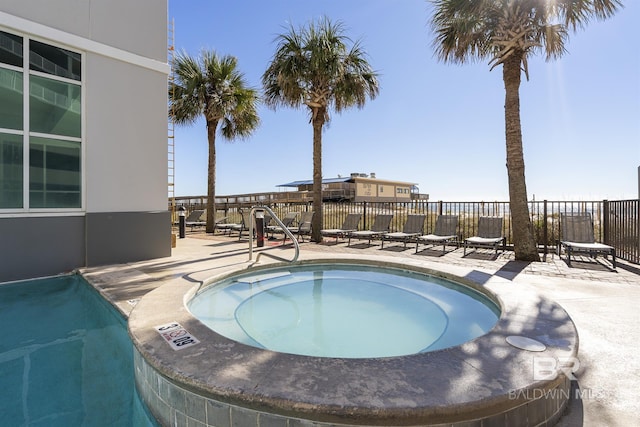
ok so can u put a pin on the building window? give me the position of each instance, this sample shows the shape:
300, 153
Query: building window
40, 154
11, 167
54, 173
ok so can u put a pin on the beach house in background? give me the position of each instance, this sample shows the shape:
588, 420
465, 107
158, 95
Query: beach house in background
83, 134
360, 187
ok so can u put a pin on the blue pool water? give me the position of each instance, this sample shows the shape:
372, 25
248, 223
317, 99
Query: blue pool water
65, 358
347, 311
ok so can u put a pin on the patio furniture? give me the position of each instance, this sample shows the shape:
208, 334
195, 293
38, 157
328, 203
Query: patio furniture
194, 219
380, 226
350, 224
489, 235
413, 227
244, 225
288, 220
445, 232
303, 228
578, 237
223, 226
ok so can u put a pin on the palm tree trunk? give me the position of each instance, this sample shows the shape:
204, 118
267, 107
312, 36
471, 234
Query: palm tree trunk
524, 242
316, 225
212, 125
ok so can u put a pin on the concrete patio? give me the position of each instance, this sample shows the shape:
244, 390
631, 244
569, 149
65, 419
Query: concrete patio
601, 302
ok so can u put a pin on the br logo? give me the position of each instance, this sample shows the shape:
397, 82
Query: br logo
548, 368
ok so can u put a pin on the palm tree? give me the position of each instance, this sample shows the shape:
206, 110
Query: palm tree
507, 32
313, 67
212, 86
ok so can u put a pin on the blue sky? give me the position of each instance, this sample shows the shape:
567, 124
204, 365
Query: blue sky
438, 125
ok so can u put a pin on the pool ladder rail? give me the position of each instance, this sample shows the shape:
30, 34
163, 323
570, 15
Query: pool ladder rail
285, 230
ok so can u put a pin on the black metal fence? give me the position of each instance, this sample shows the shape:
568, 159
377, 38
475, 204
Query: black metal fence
616, 223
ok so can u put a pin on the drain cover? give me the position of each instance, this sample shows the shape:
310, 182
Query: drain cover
525, 343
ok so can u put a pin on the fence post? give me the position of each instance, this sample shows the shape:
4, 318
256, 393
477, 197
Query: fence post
605, 222
545, 231
440, 207
364, 214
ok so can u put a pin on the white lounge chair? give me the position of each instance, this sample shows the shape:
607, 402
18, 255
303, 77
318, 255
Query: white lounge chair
303, 228
288, 220
350, 224
578, 237
413, 227
380, 226
489, 234
195, 219
445, 232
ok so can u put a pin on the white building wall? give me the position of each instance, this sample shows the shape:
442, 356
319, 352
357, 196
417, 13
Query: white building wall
136, 26
126, 137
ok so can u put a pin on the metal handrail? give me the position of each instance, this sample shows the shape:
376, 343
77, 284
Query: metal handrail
285, 230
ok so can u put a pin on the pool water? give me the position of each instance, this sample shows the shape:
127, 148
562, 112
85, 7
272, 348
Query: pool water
346, 311
65, 358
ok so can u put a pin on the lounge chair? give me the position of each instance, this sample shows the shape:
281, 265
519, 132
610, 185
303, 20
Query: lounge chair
380, 226
303, 228
445, 232
350, 224
244, 225
223, 226
194, 219
288, 220
489, 235
578, 237
413, 227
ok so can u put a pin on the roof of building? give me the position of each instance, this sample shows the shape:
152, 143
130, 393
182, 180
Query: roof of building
310, 181
343, 179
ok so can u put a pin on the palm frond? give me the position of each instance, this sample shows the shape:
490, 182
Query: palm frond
212, 86
471, 30
314, 66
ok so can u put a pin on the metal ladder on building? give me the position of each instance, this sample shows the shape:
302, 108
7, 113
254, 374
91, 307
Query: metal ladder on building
171, 160
285, 230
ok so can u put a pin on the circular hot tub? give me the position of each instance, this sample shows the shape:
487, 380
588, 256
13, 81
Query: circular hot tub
217, 380
344, 310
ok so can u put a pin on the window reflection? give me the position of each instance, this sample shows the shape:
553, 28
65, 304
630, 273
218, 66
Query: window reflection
54, 60
10, 49
54, 107
11, 99
11, 171
54, 173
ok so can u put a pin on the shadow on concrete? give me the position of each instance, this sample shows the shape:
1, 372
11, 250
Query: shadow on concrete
395, 248
478, 277
487, 256
432, 252
362, 245
629, 268
592, 264
511, 269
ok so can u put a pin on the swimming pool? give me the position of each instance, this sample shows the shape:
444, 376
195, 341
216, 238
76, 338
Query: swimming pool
350, 311
65, 358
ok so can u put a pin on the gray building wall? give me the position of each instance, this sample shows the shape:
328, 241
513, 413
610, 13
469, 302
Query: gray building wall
124, 215
40, 246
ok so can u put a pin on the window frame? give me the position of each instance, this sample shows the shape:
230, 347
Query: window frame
26, 132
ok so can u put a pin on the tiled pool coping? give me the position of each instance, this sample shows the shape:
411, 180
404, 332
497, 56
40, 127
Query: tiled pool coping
220, 382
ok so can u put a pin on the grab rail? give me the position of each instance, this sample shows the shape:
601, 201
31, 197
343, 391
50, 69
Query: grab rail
285, 230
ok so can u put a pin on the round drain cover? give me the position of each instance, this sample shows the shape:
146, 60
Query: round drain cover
525, 343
